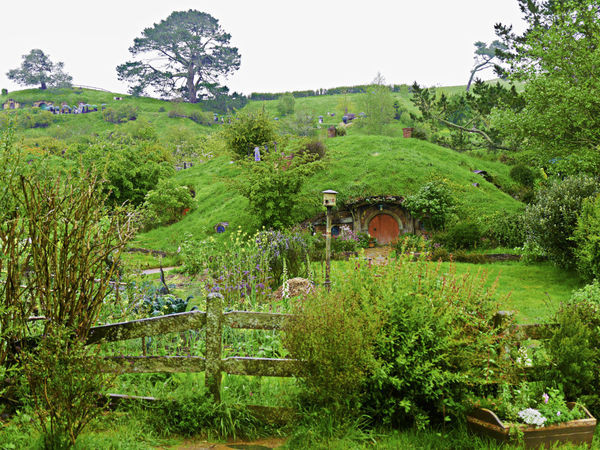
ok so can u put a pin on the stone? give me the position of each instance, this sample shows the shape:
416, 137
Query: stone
296, 287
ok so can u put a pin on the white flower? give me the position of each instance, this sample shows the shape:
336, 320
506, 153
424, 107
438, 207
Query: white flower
532, 417
523, 359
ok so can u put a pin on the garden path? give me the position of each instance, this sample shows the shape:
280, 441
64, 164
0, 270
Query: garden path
151, 271
262, 444
378, 255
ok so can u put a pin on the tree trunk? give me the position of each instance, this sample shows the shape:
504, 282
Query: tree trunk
43, 85
191, 87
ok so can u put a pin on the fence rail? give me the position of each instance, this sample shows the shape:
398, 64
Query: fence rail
212, 321
213, 365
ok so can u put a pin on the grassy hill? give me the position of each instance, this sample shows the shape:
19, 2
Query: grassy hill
356, 165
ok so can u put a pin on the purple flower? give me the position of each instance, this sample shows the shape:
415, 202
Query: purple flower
545, 397
558, 413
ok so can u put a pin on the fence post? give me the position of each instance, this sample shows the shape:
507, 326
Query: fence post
501, 318
214, 329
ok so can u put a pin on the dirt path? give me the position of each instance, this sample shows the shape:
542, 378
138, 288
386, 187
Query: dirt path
151, 271
378, 255
262, 444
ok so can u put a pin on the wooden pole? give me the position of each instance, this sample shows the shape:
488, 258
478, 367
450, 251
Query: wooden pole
328, 249
214, 331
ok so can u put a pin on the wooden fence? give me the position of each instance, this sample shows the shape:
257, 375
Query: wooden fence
213, 320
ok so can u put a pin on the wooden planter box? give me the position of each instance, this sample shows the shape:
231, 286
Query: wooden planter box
484, 422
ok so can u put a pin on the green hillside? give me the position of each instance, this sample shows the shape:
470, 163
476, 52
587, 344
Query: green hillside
356, 165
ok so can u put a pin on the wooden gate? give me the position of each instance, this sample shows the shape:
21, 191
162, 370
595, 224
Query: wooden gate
384, 228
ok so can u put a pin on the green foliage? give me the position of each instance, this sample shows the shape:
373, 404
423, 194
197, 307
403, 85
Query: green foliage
340, 131
558, 58
237, 267
463, 235
37, 69
131, 167
315, 148
378, 105
27, 119
432, 204
272, 185
573, 350
167, 203
550, 221
247, 131
156, 303
198, 415
301, 124
285, 104
466, 117
523, 175
65, 379
587, 239
120, 114
504, 229
437, 340
550, 403
333, 336
184, 52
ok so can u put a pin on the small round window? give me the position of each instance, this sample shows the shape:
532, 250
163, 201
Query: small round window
335, 230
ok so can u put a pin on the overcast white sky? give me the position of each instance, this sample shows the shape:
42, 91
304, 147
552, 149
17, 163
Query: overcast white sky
284, 44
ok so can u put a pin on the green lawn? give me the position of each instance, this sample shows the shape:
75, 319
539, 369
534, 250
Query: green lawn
534, 291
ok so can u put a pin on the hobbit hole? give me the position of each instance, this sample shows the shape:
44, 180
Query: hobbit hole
383, 217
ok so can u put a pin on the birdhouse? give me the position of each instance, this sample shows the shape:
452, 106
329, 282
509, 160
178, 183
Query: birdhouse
329, 198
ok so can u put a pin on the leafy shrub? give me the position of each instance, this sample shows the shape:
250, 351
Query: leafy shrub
167, 203
285, 104
4, 91
130, 167
156, 303
198, 414
334, 335
463, 236
340, 131
120, 114
64, 379
35, 118
201, 118
523, 175
286, 249
471, 258
28, 118
420, 133
432, 204
249, 130
504, 229
436, 342
427, 339
272, 186
587, 239
552, 219
574, 349
314, 148
409, 241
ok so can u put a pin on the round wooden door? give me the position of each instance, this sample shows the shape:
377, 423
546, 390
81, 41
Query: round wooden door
384, 228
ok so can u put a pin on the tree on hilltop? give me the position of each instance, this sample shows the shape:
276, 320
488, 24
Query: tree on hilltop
484, 56
185, 54
37, 68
